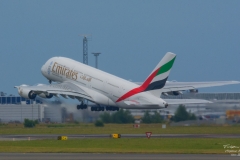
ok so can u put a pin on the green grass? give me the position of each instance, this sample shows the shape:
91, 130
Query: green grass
116, 128
124, 145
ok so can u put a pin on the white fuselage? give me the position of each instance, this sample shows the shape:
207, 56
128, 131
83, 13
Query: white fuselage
107, 88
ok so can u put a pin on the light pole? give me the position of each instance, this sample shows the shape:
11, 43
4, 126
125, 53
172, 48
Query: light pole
32, 112
96, 54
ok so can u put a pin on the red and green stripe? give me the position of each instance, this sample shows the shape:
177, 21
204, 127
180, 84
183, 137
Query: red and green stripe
147, 85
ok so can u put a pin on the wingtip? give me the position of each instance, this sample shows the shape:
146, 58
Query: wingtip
210, 102
236, 81
171, 53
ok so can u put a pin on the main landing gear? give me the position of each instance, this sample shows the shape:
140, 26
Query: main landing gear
109, 108
82, 106
98, 108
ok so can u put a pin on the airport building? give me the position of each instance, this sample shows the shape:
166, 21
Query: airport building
15, 109
223, 105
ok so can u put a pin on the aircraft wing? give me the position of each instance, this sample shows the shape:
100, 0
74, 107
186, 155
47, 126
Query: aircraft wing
182, 86
144, 103
186, 101
65, 89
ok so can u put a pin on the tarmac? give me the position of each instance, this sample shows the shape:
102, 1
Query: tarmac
80, 136
105, 156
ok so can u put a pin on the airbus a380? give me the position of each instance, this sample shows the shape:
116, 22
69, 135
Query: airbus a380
79, 81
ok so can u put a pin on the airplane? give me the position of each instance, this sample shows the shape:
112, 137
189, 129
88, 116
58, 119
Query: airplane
76, 80
176, 88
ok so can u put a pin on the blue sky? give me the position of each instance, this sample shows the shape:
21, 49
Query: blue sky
132, 36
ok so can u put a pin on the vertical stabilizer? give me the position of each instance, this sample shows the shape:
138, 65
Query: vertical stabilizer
156, 80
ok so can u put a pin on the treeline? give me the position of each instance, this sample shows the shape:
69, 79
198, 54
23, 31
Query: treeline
155, 118
122, 116
181, 114
30, 123
118, 117
125, 117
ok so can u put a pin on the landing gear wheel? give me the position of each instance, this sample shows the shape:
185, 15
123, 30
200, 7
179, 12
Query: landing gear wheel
82, 106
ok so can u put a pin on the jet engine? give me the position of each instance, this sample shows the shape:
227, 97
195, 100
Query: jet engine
175, 93
43, 95
26, 93
193, 90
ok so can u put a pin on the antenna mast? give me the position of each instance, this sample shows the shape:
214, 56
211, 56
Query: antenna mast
85, 48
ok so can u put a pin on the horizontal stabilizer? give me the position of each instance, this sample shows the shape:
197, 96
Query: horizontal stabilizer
186, 101
140, 103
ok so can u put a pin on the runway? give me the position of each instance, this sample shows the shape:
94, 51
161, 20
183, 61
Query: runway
105, 156
113, 156
80, 136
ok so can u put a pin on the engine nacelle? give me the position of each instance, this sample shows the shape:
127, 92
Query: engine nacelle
165, 94
26, 93
175, 93
43, 95
193, 90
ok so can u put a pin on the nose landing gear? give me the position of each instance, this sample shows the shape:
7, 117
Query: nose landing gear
82, 106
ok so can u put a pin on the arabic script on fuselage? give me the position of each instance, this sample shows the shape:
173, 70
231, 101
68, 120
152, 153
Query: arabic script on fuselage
84, 77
